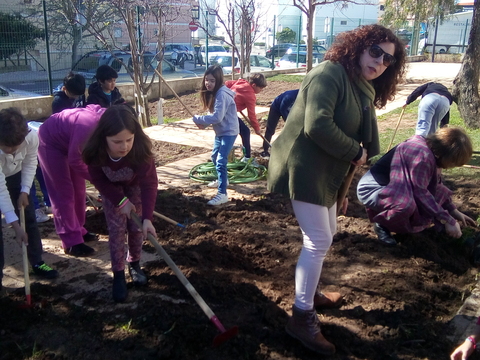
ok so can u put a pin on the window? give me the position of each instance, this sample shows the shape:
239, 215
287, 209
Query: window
343, 22
117, 33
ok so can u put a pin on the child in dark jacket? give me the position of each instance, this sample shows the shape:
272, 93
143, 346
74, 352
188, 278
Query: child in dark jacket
72, 94
103, 91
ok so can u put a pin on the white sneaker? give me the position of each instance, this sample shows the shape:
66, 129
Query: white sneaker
252, 161
214, 184
218, 200
41, 216
47, 209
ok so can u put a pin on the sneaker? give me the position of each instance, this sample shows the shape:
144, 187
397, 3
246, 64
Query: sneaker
41, 216
218, 200
47, 209
138, 276
250, 161
90, 237
79, 250
265, 155
42, 269
214, 184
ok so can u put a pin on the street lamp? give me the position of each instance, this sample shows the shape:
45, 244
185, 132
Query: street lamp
195, 12
208, 12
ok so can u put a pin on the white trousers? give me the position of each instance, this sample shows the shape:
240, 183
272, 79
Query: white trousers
318, 225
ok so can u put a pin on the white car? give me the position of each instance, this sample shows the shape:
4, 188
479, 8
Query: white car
7, 93
257, 64
289, 61
213, 51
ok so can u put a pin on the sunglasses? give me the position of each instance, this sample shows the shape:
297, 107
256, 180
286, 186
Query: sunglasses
376, 51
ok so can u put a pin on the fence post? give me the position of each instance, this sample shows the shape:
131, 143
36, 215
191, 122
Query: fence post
47, 44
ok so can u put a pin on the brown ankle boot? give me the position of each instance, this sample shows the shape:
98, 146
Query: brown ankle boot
304, 326
327, 300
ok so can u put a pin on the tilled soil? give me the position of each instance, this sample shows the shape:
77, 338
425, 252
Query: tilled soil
241, 259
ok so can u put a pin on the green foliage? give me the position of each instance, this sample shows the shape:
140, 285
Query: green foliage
17, 34
287, 35
288, 78
403, 134
398, 12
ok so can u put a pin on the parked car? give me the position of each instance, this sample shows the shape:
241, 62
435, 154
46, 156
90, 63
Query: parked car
88, 64
289, 61
278, 50
179, 48
303, 47
257, 63
213, 51
7, 93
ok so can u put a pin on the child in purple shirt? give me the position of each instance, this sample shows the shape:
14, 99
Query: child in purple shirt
122, 168
62, 137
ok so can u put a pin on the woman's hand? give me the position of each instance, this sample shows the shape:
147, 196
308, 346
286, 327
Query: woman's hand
344, 206
463, 351
453, 230
127, 209
464, 219
362, 160
148, 228
20, 235
201, 127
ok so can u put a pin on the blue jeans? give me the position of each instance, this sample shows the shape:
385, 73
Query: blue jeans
221, 148
431, 110
43, 188
245, 135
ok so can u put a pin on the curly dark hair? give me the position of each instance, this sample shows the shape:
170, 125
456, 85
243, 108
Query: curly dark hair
350, 45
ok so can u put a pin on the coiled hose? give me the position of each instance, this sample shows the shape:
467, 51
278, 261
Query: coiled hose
238, 172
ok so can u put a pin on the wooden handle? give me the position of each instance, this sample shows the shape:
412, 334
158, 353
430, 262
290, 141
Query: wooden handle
343, 191
166, 219
26, 275
206, 309
174, 93
396, 128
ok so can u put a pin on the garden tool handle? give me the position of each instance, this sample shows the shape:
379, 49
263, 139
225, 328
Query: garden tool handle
249, 123
174, 93
206, 309
343, 191
26, 275
171, 221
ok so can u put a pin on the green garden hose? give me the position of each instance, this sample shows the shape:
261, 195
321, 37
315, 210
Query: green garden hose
238, 172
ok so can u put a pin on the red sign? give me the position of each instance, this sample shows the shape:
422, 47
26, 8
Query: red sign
193, 26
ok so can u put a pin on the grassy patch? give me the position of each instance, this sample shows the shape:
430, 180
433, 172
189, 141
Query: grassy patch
404, 133
154, 120
287, 78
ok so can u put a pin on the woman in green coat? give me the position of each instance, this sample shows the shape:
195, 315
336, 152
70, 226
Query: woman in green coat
331, 126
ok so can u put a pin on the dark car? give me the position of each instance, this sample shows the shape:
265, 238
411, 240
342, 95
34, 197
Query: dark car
278, 50
88, 64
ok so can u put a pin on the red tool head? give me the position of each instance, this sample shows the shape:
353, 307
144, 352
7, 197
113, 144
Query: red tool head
224, 336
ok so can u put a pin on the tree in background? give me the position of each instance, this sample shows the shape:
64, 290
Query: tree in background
17, 35
287, 35
465, 88
398, 12
308, 7
240, 20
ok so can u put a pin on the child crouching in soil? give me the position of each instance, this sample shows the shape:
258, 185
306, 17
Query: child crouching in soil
219, 100
122, 168
18, 162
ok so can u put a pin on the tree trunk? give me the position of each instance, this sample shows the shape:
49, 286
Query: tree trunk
465, 89
310, 17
